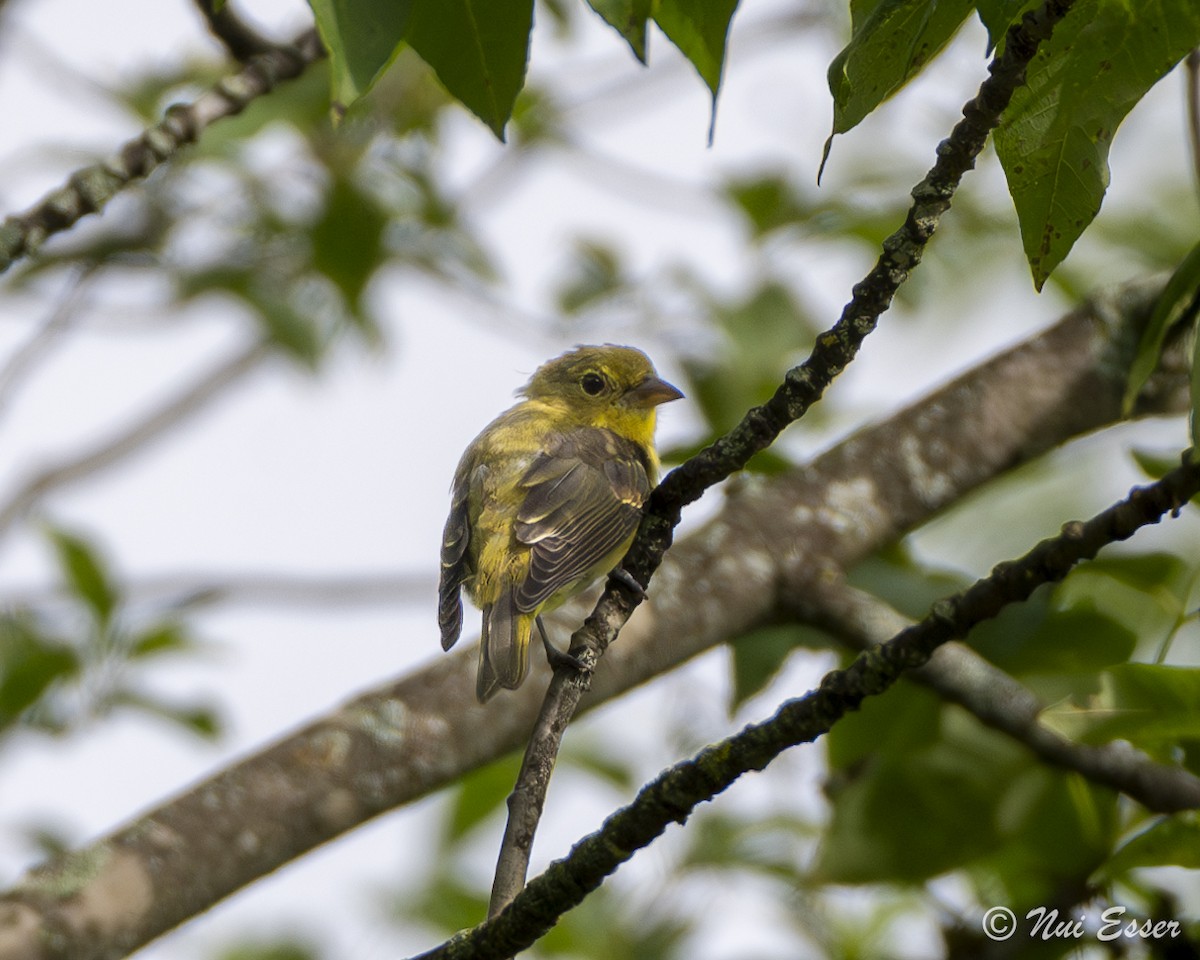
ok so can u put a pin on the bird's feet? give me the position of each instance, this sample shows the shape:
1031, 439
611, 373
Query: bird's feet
555, 657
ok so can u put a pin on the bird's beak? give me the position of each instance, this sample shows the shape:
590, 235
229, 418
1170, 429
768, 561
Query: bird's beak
652, 391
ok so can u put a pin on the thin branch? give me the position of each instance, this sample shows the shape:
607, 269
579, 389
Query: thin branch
241, 40
89, 189
960, 675
423, 731
132, 438
802, 387
23, 359
183, 592
675, 793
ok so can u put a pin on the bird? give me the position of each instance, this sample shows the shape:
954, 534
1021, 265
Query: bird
547, 499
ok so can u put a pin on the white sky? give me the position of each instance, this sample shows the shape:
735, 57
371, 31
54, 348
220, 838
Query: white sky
315, 475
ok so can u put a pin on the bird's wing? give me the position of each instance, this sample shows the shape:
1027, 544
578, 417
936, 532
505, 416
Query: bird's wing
455, 557
584, 497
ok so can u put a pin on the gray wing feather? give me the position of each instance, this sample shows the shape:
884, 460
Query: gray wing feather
585, 496
456, 558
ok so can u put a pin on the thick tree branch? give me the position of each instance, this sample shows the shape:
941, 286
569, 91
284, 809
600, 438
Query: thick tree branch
961, 676
676, 792
398, 743
89, 189
801, 388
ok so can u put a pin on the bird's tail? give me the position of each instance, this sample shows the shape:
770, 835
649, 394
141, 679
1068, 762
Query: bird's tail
504, 649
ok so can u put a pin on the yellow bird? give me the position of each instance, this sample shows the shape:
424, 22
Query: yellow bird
548, 498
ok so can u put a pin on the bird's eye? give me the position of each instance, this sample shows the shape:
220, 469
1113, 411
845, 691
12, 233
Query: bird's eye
593, 384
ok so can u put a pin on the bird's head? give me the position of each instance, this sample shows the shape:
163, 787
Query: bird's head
605, 386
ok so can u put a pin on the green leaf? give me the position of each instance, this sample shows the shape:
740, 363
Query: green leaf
628, 18
1153, 706
592, 758
1153, 463
1178, 296
479, 50
595, 274
764, 331
347, 239
891, 41
200, 719
362, 37
895, 575
905, 721
768, 202
760, 654
161, 638
1054, 138
1169, 842
480, 794
999, 15
912, 816
1093, 619
283, 949
83, 571
29, 665
699, 28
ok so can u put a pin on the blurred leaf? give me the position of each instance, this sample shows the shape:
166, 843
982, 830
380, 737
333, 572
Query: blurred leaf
904, 721
908, 586
966, 796
362, 37
595, 273
160, 638
1153, 706
85, 574
30, 664
295, 333
764, 333
1154, 464
760, 654
201, 720
1093, 619
1169, 842
48, 839
347, 239
890, 42
288, 949
768, 203
628, 18
591, 757
445, 903
606, 926
768, 845
480, 794
699, 28
537, 118
1054, 138
1054, 827
479, 50
1178, 296
910, 816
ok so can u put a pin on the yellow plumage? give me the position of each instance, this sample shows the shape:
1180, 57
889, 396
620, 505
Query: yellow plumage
547, 498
